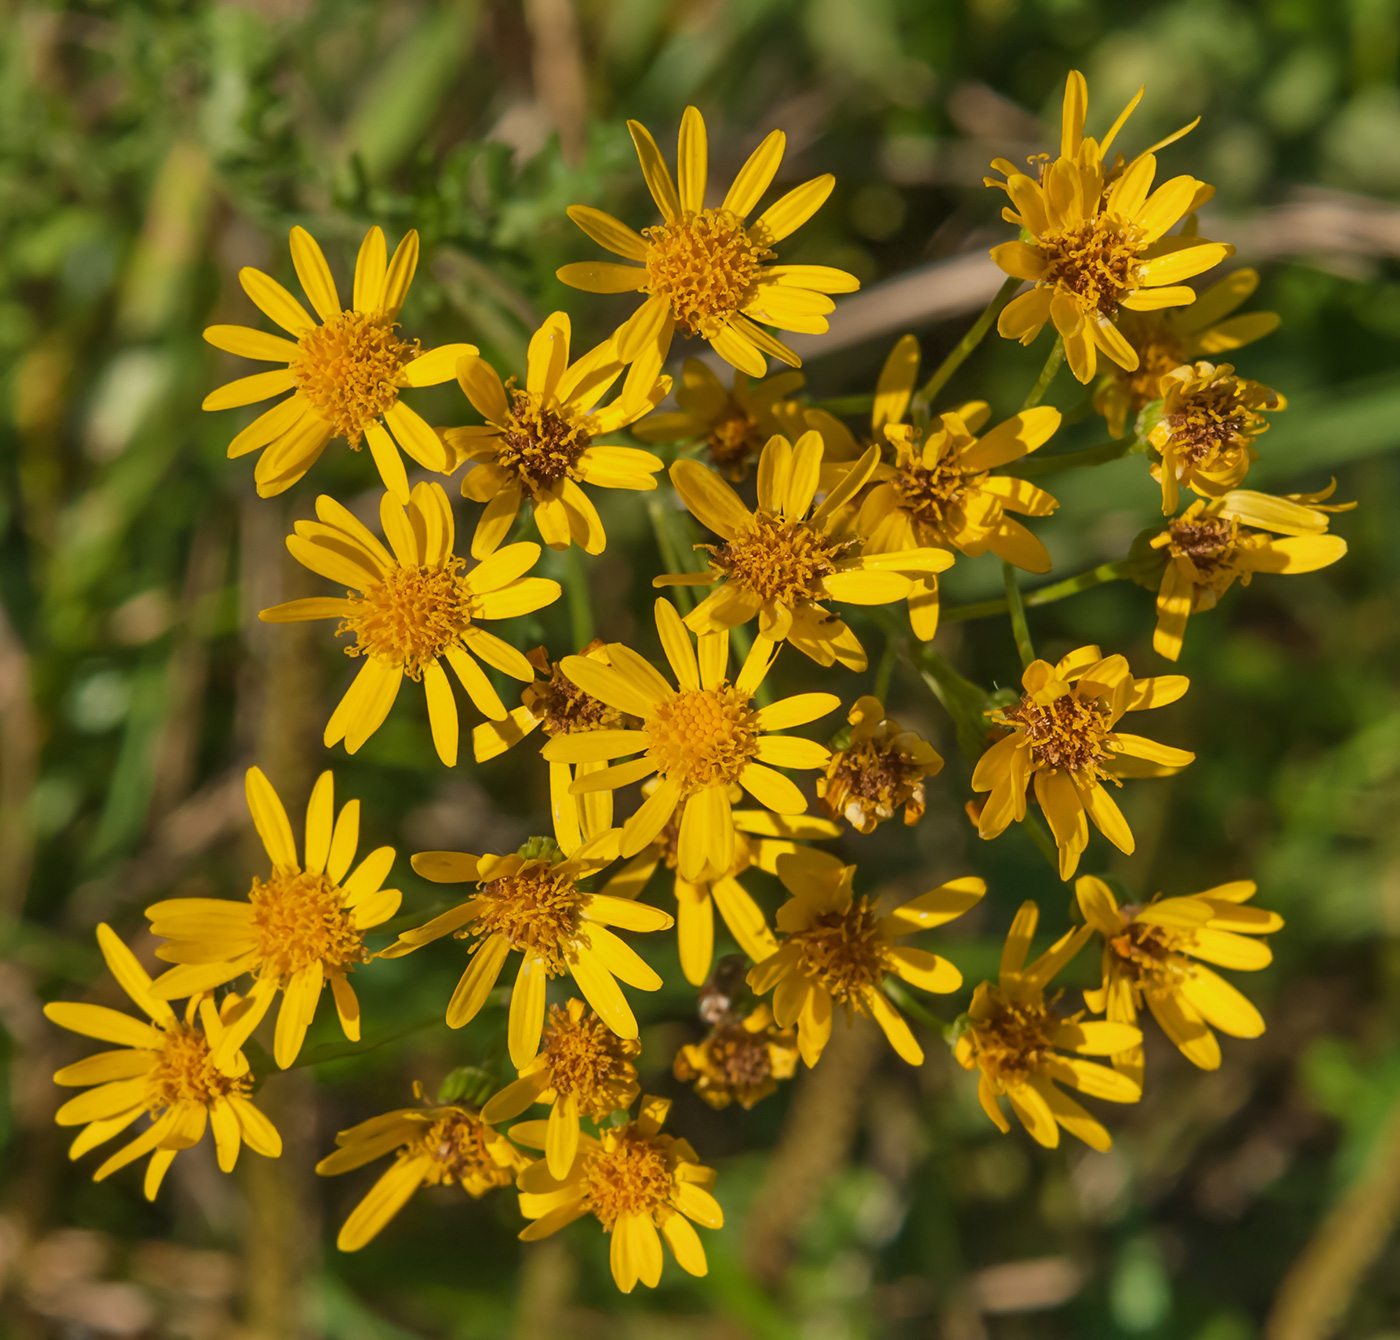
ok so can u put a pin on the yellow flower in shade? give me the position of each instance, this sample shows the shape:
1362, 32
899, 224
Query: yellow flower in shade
1211, 544
1097, 242
411, 606
735, 423
740, 1060
634, 1181
302, 926
1150, 955
583, 1070
760, 838
1205, 435
1165, 340
536, 905
437, 1146
539, 443
780, 563
893, 391
164, 1070
1062, 739
882, 768
838, 951
561, 708
346, 371
1017, 1040
706, 271
700, 738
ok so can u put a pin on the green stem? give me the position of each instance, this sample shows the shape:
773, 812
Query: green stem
963, 700
1042, 839
1047, 595
898, 993
660, 512
1072, 460
884, 671
1020, 630
958, 355
580, 601
1047, 375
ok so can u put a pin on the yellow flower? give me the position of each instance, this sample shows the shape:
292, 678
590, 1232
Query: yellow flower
780, 563
413, 608
740, 1060
1205, 435
1165, 340
437, 1146
1062, 737
700, 738
893, 391
760, 838
1097, 242
1211, 544
583, 1070
347, 371
882, 768
1016, 1039
537, 905
1148, 955
705, 270
164, 1070
837, 951
634, 1181
561, 708
540, 443
734, 423
300, 927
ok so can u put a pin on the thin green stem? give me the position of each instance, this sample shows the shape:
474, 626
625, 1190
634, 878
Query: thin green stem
1042, 839
901, 996
672, 555
959, 353
884, 671
1047, 595
1020, 630
579, 598
1072, 460
1047, 375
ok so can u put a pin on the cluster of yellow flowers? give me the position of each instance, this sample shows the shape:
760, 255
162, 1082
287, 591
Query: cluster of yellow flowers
836, 520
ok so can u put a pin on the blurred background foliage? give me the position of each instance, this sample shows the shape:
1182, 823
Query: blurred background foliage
148, 150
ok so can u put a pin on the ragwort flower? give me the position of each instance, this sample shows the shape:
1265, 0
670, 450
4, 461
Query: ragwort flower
164, 1070
700, 738
634, 1181
1063, 740
1150, 953
740, 1060
413, 608
882, 768
437, 1146
347, 371
705, 271
1016, 1040
301, 927
540, 443
1212, 544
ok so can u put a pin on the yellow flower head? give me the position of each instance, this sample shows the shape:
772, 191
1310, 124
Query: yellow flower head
583, 1070
413, 608
1165, 340
1205, 435
1016, 1039
347, 370
540, 443
634, 1181
699, 737
1211, 544
838, 951
881, 769
303, 925
706, 271
1098, 242
740, 1060
437, 1146
779, 562
1063, 739
1150, 953
735, 423
163, 1070
537, 905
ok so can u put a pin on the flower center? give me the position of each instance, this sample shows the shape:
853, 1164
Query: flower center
537, 908
704, 264
741, 1059
927, 493
1208, 544
783, 561
844, 952
1209, 418
456, 1143
410, 617
562, 708
299, 918
703, 737
734, 442
1016, 1040
541, 446
867, 782
1150, 955
587, 1059
1094, 260
349, 369
185, 1074
1067, 732
628, 1175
